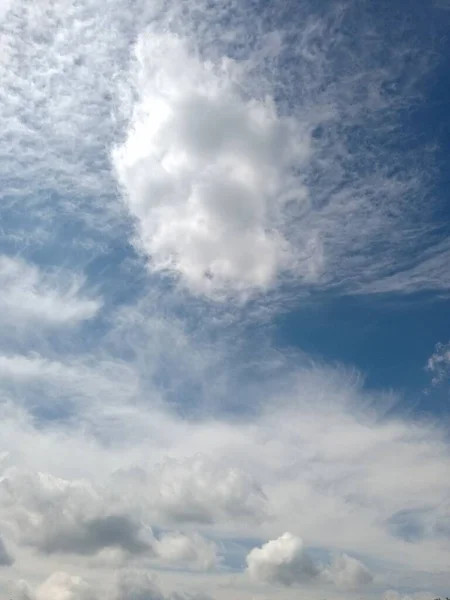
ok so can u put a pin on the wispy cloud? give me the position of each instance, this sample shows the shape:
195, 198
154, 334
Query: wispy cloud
438, 365
52, 298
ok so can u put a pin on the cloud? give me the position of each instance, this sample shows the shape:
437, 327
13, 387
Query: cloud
234, 192
6, 560
137, 585
64, 389
243, 166
58, 65
285, 561
140, 585
281, 561
197, 490
57, 516
62, 586
58, 586
193, 550
129, 584
349, 573
203, 491
249, 166
60, 516
201, 170
394, 595
438, 365
22, 591
48, 298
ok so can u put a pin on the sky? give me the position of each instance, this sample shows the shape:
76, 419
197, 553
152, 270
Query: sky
224, 307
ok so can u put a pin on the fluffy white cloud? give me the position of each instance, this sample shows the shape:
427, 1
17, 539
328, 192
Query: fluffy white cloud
230, 194
128, 584
59, 516
203, 171
52, 298
58, 586
285, 561
200, 490
62, 586
349, 573
281, 561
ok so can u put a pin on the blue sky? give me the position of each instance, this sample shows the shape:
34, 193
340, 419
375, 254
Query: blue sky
224, 264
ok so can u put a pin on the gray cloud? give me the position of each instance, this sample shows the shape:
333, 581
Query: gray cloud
6, 559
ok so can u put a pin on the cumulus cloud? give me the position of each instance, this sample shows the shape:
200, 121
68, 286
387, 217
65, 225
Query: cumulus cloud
281, 561
349, 573
285, 561
197, 490
59, 516
203, 491
62, 586
129, 584
52, 298
58, 586
202, 169
233, 192
239, 167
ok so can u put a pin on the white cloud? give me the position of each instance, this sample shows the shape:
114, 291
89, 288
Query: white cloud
349, 573
203, 491
128, 584
281, 561
137, 585
59, 516
58, 65
58, 586
47, 298
241, 175
66, 388
232, 195
191, 549
439, 363
203, 171
285, 561
140, 585
62, 586
231, 192
22, 591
